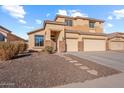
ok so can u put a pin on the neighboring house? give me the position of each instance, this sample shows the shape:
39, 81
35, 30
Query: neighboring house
75, 34
7, 36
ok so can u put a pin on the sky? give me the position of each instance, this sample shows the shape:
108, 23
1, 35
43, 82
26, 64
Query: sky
23, 19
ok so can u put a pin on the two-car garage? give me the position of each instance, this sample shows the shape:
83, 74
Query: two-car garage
88, 45
94, 45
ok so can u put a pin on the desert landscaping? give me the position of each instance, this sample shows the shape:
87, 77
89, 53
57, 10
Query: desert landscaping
40, 69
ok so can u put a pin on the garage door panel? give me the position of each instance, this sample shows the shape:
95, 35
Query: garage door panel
94, 45
116, 45
72, 44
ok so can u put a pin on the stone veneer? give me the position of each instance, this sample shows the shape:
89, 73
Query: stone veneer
62, 46
47, 42
107, 45
80, 45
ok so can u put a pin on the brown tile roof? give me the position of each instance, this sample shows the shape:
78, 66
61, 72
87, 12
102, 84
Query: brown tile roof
85, 33
86, 18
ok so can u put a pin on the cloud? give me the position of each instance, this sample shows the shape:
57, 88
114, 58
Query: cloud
62, 12
118, 13
22, 21
38, 21
109, 25
75, 13
47, 14
110, 17
16, 11
72, 13
29, 27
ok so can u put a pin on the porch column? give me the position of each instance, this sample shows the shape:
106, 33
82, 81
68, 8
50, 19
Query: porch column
61, 41
48, 38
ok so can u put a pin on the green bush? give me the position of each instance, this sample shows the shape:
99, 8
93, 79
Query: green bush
9, 50
49, 49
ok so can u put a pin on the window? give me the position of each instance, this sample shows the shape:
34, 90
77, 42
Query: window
2, 38
91, 24
39, 40
68, 22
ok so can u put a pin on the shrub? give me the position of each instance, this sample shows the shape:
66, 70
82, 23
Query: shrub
9, 50
22, 47
49, 49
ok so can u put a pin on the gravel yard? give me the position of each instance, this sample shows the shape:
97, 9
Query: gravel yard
46, 70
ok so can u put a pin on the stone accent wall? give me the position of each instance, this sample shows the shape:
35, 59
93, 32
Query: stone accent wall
62, 46
80, 45
107, 45
47, 43
11, 38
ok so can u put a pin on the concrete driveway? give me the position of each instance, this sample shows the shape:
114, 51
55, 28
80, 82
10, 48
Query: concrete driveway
108, 58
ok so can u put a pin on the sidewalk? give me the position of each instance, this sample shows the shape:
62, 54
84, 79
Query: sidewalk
114, 81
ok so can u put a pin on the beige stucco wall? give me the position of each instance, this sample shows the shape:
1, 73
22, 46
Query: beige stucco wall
91, 36
60, 19
81, 24
54, 27
32, 39
80, 37
117, 39
72, 35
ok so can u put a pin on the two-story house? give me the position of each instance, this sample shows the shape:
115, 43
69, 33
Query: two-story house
74, 34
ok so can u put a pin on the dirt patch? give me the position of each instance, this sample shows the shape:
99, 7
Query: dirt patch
44, 70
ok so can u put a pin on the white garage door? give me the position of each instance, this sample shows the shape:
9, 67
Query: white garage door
117, 45
72, 44
94, 45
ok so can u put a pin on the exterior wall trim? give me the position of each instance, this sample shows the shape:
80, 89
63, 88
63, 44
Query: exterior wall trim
95, 38
71, 38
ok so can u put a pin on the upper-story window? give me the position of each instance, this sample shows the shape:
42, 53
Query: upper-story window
39, 40
92, 24
68, 22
